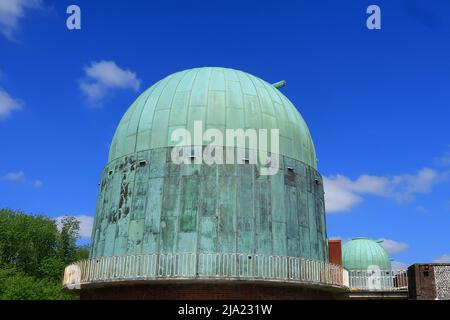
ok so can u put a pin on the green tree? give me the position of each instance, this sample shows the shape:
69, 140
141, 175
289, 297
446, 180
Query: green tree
68, 236
34, 251
81, 253
26, 240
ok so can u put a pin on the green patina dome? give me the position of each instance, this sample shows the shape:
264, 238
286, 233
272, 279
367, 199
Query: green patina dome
361, 253
149, 204
220, 97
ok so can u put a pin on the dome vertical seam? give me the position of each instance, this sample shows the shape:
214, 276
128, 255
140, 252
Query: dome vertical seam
140, 116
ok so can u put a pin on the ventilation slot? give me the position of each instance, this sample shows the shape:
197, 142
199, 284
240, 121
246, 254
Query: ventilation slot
142, 163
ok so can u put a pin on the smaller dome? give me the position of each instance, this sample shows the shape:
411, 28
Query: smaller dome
361, 253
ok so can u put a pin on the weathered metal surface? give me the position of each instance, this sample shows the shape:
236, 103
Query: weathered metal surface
279, 84
147, 205
364, 253
220, 97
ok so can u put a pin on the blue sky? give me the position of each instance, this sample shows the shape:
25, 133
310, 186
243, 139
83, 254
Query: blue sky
377, 102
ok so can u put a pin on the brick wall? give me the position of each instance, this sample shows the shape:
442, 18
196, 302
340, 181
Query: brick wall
206, 291
335, 251
421, 282
429, 281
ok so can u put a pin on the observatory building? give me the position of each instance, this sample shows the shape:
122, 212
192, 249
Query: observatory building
169, 230
147, 204
363, 254
211, 191
369, 268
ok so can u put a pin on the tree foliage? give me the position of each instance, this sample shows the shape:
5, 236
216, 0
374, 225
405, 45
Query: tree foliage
33, 254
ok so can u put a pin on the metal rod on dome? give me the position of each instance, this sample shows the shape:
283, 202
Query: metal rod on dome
279, 84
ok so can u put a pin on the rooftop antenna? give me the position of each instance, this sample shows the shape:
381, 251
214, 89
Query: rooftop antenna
279, 84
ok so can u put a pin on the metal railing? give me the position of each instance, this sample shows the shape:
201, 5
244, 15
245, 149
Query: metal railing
378, 280
202, 266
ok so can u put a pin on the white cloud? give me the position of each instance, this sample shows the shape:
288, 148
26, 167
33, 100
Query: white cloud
393, 247
444, 160
405, 186
19, 176
104, 76
343, 193
445, 258
8, 105
11, 11
38, 184
86, 224
398, 265
422, 209
338, 197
